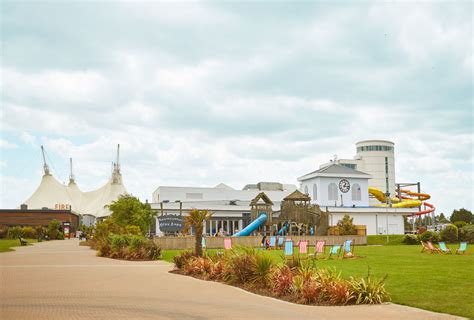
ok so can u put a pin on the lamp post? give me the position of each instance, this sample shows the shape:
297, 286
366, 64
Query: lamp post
389, 205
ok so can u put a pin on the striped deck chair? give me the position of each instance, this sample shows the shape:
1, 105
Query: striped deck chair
280, 242
432, 248
443, 248
203, 243
319, 249
424, 246
335, 251
462, 248
348, 249
272, 243
303, 247
227, 243
288, 248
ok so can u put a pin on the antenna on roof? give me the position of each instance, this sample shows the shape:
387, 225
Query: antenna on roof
335, 158
71, 175
45, 166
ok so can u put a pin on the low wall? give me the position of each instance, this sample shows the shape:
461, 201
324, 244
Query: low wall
173, 243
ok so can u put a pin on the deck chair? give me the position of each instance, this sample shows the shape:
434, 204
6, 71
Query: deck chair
203, 243
280, 242
424, 246
348, 249
288, 248
272, 243
443, 248
319, 249
432, 248
334, 251
462, 248
227, 243
303, 247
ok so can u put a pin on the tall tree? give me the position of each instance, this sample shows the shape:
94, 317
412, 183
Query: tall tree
196, 220
128, 210
442, 218
461, 215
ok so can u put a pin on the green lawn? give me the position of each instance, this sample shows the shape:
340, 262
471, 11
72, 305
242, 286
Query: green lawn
7, 244
436, 282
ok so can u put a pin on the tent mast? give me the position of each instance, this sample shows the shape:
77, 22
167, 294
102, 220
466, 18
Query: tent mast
45, 166
71, 175
118, 155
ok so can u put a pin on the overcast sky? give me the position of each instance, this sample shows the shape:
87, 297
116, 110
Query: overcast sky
202, 93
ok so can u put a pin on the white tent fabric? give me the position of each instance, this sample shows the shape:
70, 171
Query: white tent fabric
51, 193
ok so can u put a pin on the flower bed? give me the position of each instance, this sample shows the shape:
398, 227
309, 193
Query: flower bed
294, 280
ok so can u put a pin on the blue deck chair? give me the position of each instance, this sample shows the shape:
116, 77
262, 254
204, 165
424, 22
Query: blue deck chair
280, 242
288, 248
335, 250
272, 242
348, 248
443, 248
203, 243
462, 248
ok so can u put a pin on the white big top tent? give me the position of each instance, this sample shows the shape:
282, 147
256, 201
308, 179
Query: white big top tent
54, 195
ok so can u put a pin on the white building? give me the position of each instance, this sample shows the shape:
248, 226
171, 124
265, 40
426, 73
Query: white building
377, 158
230, 207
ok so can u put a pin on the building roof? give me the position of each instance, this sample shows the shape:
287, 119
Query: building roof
261, 198
223, 186
335, 170
297, 196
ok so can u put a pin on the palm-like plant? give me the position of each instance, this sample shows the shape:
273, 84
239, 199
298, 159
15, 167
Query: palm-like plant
196, 220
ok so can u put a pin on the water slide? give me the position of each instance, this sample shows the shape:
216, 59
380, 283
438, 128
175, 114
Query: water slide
283, 229
406, 200
254, 225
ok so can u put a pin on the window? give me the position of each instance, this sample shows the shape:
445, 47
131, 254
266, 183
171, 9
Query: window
375, 148
356, 193
349, 165
332, 191
306, 190
315, 192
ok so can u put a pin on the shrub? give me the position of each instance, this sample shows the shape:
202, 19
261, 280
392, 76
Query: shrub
53, 229
411, 239
198, 266
346, 226
467, 233
460, 224
181, 259
282, 281
310, 293
430, 236
29, 232
294, 262
60, 236
3, 233
368, 290
118, 241
151, 250
15, 232
262, 270
133, 230
449, 233
241, 267
136, 242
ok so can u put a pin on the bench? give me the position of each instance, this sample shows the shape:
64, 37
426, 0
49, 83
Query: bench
23, 242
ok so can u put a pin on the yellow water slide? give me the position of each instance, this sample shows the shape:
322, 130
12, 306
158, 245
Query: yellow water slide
405, 202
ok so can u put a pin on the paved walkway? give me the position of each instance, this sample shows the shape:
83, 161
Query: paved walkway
61, 280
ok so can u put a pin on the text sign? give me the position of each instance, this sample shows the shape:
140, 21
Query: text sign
62, 206
171, 223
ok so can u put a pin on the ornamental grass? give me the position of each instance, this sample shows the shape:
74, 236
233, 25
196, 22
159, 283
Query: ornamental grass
294, 280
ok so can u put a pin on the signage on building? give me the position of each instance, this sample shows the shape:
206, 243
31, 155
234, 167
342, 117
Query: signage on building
62, 206
171, 223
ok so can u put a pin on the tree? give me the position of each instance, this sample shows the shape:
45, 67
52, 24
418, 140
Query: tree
196, 220
461, 215
129, 211
54, 229
442, 218
346, 226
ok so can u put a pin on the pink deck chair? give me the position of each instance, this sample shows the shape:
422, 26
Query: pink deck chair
319, 248
227, 243
303, 247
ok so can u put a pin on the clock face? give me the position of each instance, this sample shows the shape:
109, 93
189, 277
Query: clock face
344, 186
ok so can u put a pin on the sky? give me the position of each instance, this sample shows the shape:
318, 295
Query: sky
198, 93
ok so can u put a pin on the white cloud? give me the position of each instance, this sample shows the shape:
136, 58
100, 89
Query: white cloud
7, 145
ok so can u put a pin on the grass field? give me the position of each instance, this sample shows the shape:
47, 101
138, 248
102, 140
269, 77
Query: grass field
436, 282
7, 244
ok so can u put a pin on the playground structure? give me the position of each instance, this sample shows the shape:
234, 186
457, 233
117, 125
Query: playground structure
297, 217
